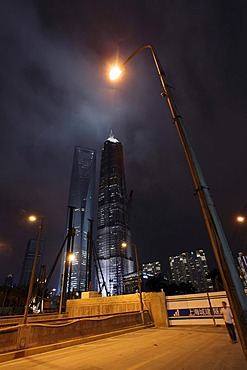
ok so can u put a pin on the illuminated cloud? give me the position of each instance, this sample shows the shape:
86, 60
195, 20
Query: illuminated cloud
6, 250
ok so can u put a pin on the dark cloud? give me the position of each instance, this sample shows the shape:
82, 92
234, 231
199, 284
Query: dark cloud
55, 94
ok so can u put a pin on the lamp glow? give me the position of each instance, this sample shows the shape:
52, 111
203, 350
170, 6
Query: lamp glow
71, 257
115, 72
241, 219
32, 218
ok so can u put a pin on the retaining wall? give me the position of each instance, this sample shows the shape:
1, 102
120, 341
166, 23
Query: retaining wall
36, 334
154, 303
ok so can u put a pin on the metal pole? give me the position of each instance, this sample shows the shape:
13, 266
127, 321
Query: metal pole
211, 309
233, 286
30, 290
68, 251
61, 293
71, 261
43, 284
88, 283
139, 283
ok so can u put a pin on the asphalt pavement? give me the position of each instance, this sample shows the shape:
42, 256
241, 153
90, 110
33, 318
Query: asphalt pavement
180, 348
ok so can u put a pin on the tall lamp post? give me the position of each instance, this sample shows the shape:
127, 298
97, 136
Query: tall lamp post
124, 245
30, 289
224, 259
241, 219
68, 260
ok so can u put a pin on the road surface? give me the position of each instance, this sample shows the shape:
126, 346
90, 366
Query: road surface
183, 348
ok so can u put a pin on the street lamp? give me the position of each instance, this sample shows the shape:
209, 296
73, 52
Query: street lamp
30, 289
241, 219
124, 245
224, 259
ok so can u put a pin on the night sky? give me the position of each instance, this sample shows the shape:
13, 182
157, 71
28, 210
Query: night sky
55, 94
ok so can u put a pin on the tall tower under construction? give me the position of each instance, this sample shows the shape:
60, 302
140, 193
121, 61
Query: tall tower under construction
113, 219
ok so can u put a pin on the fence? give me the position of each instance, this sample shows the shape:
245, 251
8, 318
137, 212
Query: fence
195, 309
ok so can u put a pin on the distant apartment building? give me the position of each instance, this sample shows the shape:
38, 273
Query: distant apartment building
28, 261
191, 267
153, 268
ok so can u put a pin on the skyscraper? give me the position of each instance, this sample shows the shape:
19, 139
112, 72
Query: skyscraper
27, 264
191, 267
81, 200
113, 220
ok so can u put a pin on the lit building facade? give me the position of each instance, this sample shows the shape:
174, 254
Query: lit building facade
191, 267
242, 262
28, 261
153, 268
81, 199
113, 222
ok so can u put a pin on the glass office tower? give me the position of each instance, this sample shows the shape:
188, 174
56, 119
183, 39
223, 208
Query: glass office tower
28, 261
81, 200
113, 222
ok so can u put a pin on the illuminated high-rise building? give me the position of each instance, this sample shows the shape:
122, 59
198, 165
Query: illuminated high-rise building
153, 268
192, 268
81, 201
113, 220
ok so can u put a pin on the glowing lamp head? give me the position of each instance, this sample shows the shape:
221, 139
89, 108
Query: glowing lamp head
124, 244
115, 72
32, 218
71, 257
241, 219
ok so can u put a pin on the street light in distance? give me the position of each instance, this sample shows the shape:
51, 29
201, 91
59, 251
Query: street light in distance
33, 218
241, 219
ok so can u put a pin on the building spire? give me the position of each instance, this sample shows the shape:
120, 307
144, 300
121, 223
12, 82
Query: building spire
112, 138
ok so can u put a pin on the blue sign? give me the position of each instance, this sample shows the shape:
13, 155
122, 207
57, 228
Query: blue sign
194, 312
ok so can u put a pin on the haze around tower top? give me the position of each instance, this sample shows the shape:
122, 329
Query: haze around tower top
56, 94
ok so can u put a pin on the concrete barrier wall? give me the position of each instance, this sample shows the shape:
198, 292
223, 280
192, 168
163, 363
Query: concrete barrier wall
152, 302
35, 335
8, 340
97, 305
87, 317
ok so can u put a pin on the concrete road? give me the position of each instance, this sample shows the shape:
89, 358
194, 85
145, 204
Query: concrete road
184, 348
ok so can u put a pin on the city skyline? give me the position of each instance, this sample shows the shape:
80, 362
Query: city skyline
56, 95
